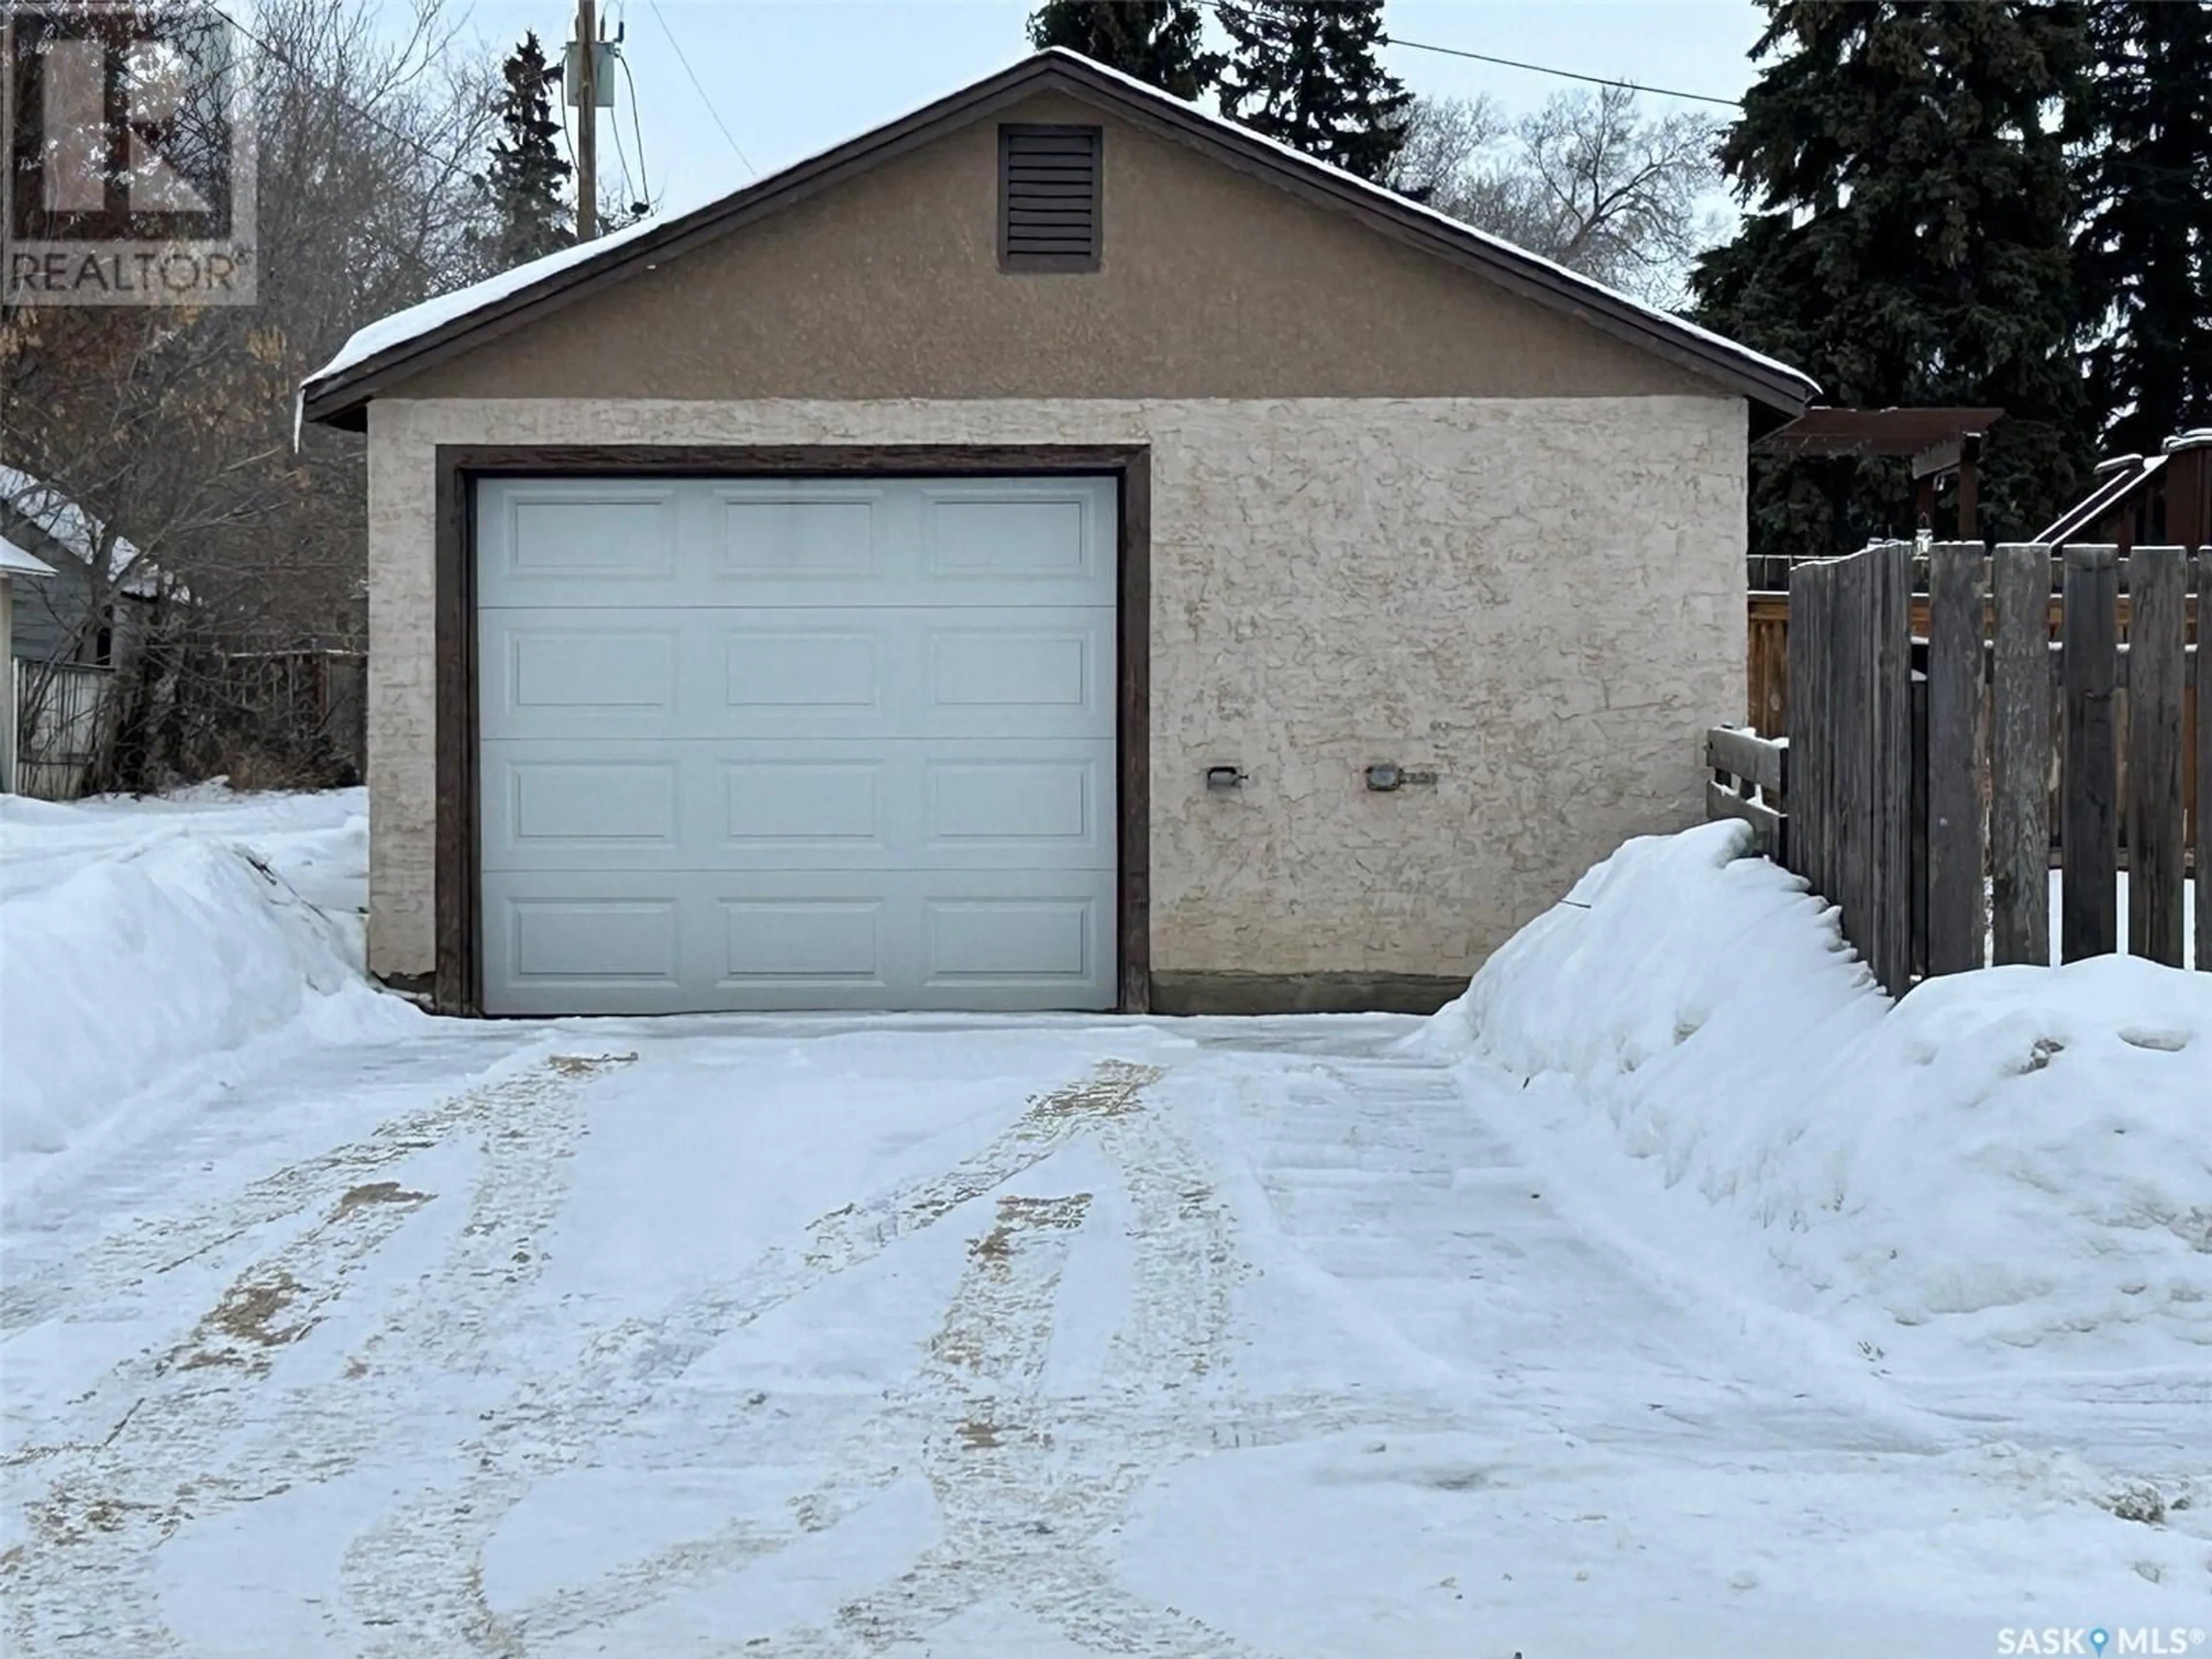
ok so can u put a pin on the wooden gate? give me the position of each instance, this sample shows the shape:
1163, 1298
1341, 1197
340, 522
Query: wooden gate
1914, 789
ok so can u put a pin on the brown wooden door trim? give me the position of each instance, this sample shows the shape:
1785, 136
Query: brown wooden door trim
458, 889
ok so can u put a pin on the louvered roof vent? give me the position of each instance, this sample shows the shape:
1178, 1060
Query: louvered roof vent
1049, 198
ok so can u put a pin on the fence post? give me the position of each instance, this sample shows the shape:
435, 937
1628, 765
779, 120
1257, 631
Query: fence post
1890, 891
2019, 759
1954, 758
2156, 664
2089, 824
1851, 718
2204, 759
1808, 771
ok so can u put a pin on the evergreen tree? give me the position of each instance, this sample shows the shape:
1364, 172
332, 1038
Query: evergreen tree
2142, 128
1905, 241
1304, 72
1155, 41
524, 188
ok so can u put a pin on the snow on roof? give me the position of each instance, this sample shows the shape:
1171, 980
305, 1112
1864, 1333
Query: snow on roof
434, 314
13, 561
2113, 487
76, 531
430, 315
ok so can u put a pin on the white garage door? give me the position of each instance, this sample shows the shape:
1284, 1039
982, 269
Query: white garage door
835, 743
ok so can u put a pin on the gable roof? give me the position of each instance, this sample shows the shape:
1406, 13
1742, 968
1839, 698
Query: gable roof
36, 509
386, 352
13, 561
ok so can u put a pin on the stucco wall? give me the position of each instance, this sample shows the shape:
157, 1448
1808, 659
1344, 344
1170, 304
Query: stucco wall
1541, 600
1211, 284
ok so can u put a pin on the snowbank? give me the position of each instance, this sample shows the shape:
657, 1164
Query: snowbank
143, 943
2017, 1158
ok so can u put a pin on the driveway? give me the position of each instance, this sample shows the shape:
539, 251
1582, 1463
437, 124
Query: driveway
1032, 1337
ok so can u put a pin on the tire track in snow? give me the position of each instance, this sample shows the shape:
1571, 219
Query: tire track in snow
555, 1423
1027, 1484
108, 1506
122, 1260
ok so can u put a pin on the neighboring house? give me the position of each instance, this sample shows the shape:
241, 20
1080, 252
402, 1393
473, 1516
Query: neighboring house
77, 620
984, 566
72, 634
2146, 500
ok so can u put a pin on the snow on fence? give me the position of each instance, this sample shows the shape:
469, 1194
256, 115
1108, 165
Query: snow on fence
1914, 788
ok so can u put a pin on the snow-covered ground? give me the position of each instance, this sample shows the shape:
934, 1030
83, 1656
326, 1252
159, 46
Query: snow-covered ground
157, 946
379, 1333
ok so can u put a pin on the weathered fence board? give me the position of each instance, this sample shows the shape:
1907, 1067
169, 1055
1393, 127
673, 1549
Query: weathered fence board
2020, 745
2157, 585
1767, 823
2088, 831
1808, 802
1899, 791
1955, 911
1758, 761
65, 717
1889, 888
1851, 718
2203, 757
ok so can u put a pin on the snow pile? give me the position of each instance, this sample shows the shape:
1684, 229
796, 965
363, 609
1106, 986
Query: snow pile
2015, 1158
141, 943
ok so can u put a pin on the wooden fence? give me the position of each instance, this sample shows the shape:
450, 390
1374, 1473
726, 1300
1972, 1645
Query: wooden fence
64, 714
1902, 789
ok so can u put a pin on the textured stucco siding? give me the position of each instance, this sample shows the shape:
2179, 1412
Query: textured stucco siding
1540, 600
1211, 284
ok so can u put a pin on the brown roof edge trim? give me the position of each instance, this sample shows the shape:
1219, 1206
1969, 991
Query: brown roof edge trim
339, 402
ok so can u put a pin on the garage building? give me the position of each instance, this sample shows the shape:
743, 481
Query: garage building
1057, 550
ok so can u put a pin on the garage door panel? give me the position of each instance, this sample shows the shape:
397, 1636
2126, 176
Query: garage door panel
807, 807
641, 943
835, 674
1051, 530
570, 541
1045, 809
979, 665
990, 941
792, 944
569, 544
569, 938
773, 671
816, 744
1034, 672
796, 533
605, 805
913, 804
615, 665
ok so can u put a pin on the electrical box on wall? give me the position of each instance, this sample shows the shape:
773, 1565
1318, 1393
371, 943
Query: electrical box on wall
1386, 775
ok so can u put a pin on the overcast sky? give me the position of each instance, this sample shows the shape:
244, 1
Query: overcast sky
789, 79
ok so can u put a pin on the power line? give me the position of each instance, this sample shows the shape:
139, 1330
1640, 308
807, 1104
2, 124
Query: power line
644, 184
712, 114
343, 102
1564, 75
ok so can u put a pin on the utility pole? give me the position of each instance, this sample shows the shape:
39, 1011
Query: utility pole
588, 120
